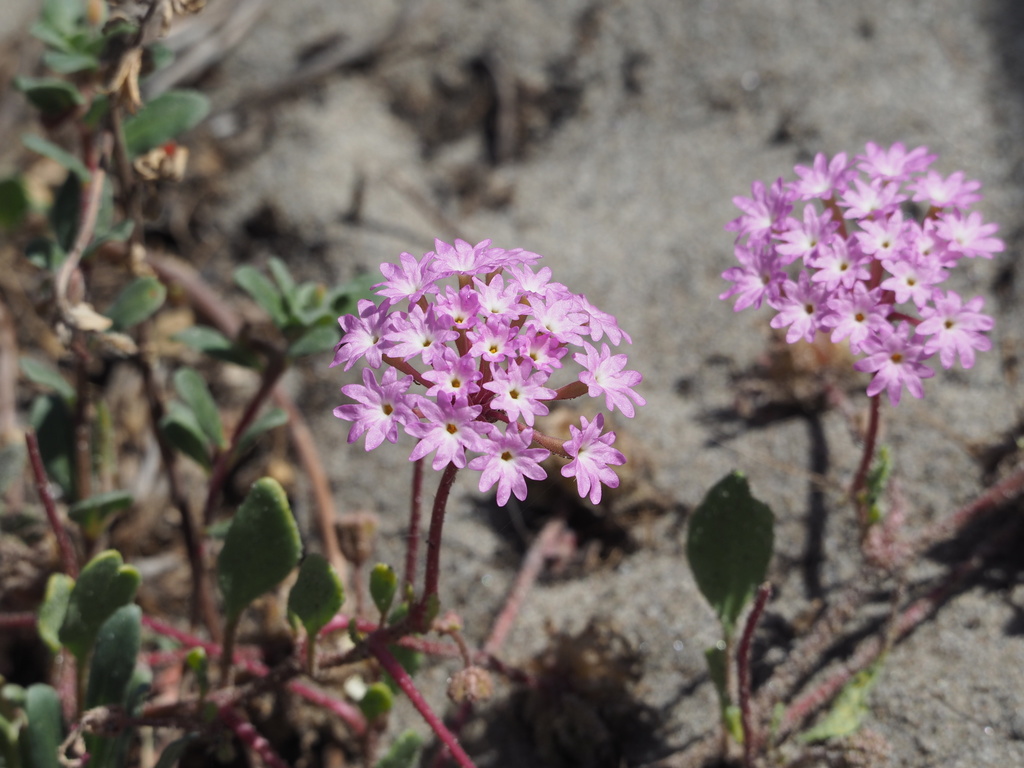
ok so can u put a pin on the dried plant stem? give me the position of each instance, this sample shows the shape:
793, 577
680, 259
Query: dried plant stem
869, 651
549, 542
401, 677
751, 732
860, 479
1007, 489
67, 550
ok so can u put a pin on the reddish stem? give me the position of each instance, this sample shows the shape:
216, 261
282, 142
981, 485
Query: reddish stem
252, 738
860, 479
348, 714
67, 551
401, 677
22, 620
751, 734
433, 572
275, 367
413, 537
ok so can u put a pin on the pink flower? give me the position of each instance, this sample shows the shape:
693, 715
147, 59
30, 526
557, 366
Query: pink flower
483, 332
593, 457
956, 329
604, 376
969, 236
508, 461
450, 429
895, 358
857, 259
801, 308
381, 409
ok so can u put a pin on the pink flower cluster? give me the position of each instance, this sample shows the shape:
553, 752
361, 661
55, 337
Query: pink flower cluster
479, 332
869, 270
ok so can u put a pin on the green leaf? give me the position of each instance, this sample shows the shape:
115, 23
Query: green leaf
181, 428
65, 212
50, 95
218, 346
44, 732
271, 419
103, 586
164, 118
14, 203
49, 149
261, 548
172, 752
53, 422
404, 752
66, 63
344, 298
317, 594
193, 390
62, 16
717, 664
729, 545
92, 513
48, 376
138, 301
283, 278
849, 709
160, 55
44, 253
383, 585
113, 661
877, 484
309, 304
263, 292
377, 701
54, 608
318, 338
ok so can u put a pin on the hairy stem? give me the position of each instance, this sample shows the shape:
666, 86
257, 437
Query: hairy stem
751, 732
413, 537
860, 479
433, 572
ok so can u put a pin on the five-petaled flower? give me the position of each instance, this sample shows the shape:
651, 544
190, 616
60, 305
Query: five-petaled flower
471, 335
869, 271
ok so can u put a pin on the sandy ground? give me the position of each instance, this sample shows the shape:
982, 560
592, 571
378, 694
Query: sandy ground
622, 132
611, 137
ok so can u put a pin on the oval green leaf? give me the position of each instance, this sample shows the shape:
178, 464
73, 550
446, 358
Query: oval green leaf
50, 95
113, 661
261, 547
383, 585
138, 301
317, 594
164, 118
53, 609
181, 429
43, 732
191, 388
729, 545
92, 513
47, 375
103, 586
